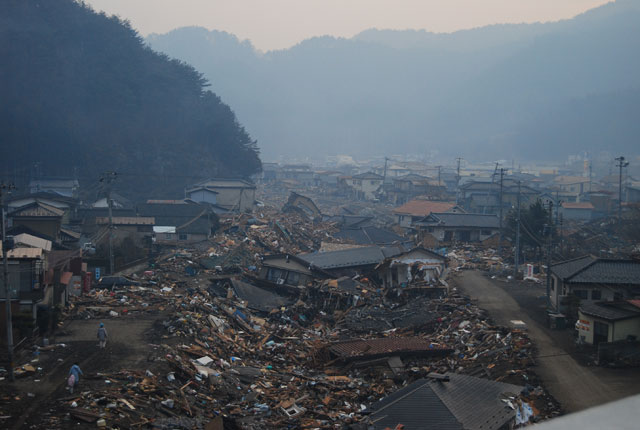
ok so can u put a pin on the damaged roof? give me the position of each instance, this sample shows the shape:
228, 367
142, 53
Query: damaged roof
462, 402
362, 256
258, 298
386, 346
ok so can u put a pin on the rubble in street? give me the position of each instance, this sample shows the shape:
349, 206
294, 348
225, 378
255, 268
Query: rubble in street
235, 354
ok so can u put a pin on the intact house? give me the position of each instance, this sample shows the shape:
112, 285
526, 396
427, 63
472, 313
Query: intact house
417, 209
458, 227
180, 222
39, 217
405, 188
448, 401
577, 211
364, 186
608, 321
234, 195
285, 269
139, 229
592, 279
479, 196
418, 265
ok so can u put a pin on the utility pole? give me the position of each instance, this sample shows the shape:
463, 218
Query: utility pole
621, 164
500, 209
459, 159
106, 179
7, 290
549, 228
439, 174
384, 180
590, 174
517, 257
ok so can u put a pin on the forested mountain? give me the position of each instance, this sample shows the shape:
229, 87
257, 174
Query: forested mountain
485, 92
82, 90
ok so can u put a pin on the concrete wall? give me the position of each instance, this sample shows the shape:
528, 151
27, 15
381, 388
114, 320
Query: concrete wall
241, 199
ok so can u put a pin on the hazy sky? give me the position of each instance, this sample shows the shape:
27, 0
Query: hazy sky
276, 24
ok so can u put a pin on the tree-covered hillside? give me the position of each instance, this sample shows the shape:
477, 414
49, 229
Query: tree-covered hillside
82, 90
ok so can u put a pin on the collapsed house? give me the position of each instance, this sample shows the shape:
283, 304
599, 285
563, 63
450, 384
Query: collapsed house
418, 265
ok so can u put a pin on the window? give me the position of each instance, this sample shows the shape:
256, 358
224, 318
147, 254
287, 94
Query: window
596, 294
274, 274
582, 294
182, 236
293, 278
167, 236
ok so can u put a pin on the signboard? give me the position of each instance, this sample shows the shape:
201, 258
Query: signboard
97, 273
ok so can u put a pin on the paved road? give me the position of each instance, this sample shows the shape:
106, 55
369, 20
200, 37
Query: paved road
574, 386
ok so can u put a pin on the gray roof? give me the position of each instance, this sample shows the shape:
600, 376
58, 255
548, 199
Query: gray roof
611, 311
368, 175
460, 220
464, 402
592, 270
258, 298
361, 256
370, 236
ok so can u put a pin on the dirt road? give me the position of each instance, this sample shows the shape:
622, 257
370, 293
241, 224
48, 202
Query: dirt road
127, 348
576, 387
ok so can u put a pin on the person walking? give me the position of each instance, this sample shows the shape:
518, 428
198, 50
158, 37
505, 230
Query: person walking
74, 377
102, 335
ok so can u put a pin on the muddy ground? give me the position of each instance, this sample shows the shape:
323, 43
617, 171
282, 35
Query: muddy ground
133, 344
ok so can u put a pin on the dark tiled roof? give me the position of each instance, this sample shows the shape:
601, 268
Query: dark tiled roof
349, 221
369, 236
568, 268
591, 270
464, 402
362, 256
610, 311
460, 220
